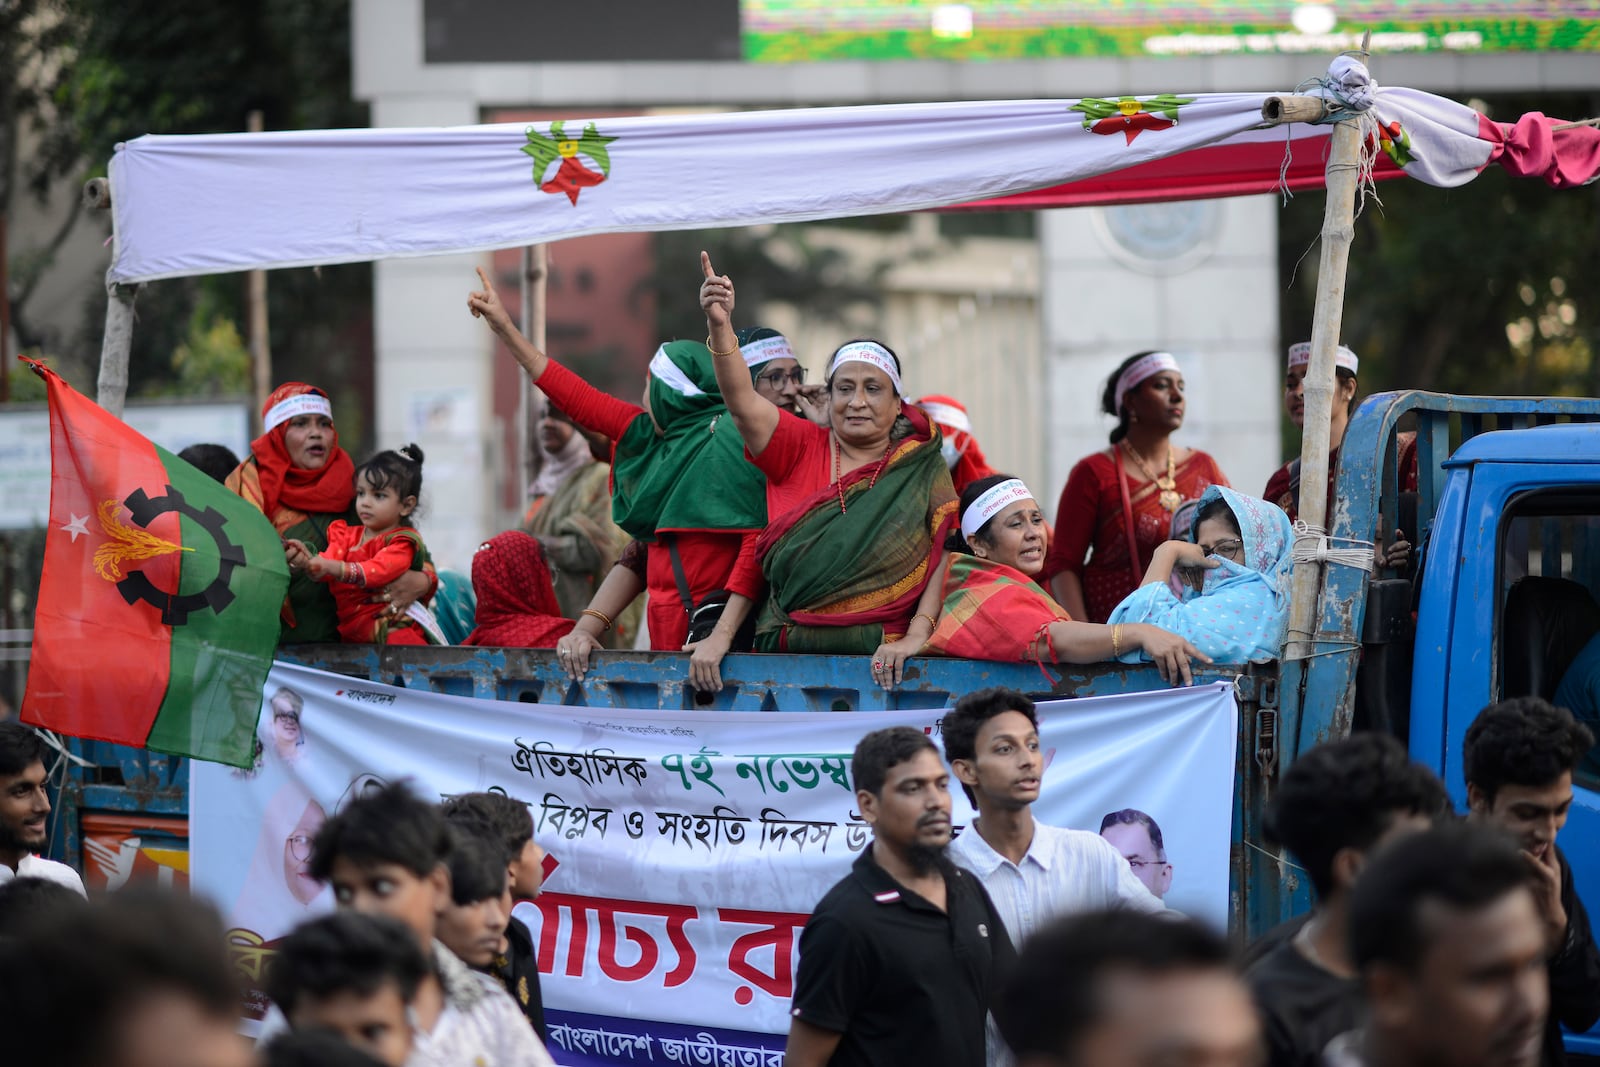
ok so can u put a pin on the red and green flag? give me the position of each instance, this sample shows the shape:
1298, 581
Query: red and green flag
158, 609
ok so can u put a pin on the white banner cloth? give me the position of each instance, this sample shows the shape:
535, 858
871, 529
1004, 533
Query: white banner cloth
686, 849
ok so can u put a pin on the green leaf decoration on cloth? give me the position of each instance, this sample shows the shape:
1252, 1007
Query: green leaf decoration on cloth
571, 176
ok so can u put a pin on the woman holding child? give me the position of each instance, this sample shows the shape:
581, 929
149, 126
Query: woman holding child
301, 480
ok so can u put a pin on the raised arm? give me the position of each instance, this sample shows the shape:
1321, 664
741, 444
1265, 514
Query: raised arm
485, 304
754, 415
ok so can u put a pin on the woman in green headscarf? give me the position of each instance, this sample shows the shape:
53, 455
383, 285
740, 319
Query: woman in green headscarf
680, 483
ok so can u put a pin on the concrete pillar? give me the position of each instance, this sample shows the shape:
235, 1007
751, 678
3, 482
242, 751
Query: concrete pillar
433, 367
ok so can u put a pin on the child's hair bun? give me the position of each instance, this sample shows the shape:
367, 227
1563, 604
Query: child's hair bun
413, 452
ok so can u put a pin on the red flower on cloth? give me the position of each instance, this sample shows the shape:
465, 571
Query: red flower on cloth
571, 175
1130, 115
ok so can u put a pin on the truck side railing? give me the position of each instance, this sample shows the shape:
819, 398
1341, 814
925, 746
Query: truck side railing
1318, 701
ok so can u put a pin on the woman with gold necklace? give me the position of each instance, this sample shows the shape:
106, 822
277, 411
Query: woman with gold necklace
858, 511
1118, 504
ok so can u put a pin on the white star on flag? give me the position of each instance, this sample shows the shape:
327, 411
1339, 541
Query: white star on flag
78, 525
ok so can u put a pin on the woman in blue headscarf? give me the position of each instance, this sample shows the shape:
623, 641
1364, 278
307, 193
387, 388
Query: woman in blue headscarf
1234, 581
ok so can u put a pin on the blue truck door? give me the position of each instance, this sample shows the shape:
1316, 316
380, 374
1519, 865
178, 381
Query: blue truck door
1521, 539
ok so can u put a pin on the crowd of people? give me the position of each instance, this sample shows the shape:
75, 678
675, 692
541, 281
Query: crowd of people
1435, 938
744, 505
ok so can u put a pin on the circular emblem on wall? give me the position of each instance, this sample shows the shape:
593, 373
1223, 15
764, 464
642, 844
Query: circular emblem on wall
1160, 238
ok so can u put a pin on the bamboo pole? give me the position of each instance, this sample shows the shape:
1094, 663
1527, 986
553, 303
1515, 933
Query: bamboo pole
1338, 230
256, 303
112, 388
535, 272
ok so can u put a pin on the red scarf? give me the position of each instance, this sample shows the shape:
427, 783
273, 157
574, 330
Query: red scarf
516, 599
328, 490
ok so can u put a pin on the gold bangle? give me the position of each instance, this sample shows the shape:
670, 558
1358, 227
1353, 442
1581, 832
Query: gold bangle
605, 620
1116, 641
933, 624
730, 352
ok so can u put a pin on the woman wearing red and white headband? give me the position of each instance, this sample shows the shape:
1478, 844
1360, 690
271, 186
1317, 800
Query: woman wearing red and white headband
299, 477
1120, 502
993, 609
848, 561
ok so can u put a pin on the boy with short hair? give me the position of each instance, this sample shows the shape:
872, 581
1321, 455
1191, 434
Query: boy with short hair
473, 924
386, 854
352, 975
517, 968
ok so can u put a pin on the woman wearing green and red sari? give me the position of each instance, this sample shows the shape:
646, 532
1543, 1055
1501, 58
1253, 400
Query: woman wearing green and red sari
679, 483
857, 513
994, 609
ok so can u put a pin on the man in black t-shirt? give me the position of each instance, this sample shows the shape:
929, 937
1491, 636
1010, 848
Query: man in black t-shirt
1337, 803
900, 959
1518, 759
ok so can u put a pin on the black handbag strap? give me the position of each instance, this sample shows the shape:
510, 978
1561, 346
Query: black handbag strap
677, 572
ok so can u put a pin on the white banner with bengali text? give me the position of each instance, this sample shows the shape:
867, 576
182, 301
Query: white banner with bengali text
686, 849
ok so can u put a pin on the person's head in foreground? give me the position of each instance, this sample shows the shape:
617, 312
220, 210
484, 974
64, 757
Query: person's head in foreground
1446, 937
1518, 759
473, 924
385, 854
991, 739
512, 820
1342, 800
317, 1048
1123, 989
351, 975
141, 980
24, 801
903, 791
1138, 837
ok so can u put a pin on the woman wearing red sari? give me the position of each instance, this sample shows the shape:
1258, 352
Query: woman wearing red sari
1120, 502
849, 562
993, 609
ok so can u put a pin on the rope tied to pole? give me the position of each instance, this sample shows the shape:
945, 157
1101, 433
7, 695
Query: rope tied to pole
1312, 544
1349, 92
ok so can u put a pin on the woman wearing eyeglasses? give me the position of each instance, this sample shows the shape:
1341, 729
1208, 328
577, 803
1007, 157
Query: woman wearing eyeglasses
1234, 581
680, 483
993, 609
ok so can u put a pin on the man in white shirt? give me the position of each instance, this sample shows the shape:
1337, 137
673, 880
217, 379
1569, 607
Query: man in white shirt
25, 809
1033, 872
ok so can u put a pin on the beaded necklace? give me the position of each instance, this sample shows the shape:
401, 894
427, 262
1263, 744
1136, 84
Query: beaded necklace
838, 483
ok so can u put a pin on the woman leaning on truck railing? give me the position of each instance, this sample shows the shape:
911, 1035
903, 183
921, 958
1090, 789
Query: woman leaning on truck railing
993, 609
858, 511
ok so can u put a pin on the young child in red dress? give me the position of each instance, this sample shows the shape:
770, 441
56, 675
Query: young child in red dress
362, 558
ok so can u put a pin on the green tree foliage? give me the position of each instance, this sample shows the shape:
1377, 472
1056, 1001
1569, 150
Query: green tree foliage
1492, 288
116, 71
212, 360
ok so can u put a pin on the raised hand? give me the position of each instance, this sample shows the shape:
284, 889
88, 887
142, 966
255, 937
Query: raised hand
485, 304
716, 295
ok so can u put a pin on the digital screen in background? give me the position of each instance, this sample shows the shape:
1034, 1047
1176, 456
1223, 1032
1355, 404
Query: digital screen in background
799, 31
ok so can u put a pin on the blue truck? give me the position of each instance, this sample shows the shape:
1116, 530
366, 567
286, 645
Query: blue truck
1506, 518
